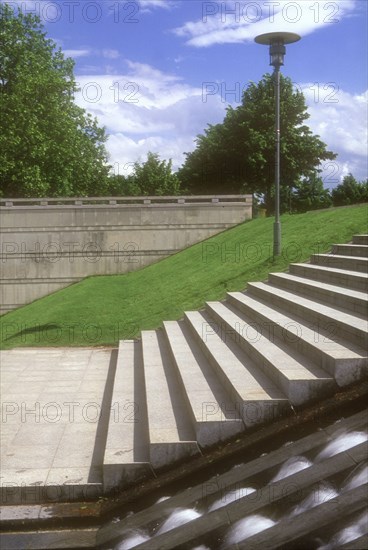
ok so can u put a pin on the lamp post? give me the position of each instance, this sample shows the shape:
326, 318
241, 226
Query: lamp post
276, 41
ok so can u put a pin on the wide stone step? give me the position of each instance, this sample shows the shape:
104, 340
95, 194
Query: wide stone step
126, 458
171, 434
258, 399
360, 239
351, 263
298, 377
339, 277
356, 250
213, 413
345, 362
341, 298
338, 323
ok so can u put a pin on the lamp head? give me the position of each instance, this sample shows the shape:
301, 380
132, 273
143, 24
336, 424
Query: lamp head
277, 41
277, 52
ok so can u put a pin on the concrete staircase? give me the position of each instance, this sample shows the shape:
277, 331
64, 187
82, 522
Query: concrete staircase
238, 363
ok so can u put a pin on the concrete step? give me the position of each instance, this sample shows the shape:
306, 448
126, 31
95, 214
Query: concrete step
341, 298
351, 263
356, 250
298, 377
345, 362
360, 239
213, 413
337, 323
126, 458
339, 277
257, 398
171, 435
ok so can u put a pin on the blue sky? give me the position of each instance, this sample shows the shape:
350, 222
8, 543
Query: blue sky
156, 72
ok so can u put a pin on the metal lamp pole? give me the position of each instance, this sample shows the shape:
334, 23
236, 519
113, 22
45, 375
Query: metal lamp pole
276, 41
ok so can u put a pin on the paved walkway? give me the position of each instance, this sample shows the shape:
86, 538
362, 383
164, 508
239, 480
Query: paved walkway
50, 440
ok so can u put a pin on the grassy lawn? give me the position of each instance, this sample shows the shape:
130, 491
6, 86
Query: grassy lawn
101, 310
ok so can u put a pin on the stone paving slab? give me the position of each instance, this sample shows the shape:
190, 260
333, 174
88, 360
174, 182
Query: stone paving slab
51, 407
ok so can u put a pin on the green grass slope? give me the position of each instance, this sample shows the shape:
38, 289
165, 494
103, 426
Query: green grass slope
101, 310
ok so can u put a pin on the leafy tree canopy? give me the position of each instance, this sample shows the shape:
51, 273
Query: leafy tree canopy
309, 195
48, 145
349, 191
152, 177
238, 155
155, 176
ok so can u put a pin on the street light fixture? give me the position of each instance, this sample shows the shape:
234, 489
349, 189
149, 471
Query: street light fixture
276, 41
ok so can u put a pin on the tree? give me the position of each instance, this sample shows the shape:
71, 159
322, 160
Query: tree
349, 191
152, 177
48, 145
155, 176
239, 154
119, 185
310, 195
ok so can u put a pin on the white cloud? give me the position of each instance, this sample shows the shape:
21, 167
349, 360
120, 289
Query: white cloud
147, 110
240, 21
125, 150
77, 53
85, 52
110, 54
340, 119
148, 5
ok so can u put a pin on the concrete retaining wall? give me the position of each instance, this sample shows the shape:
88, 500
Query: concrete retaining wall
47, 244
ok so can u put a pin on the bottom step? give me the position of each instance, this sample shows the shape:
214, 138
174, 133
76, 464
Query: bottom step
126, 458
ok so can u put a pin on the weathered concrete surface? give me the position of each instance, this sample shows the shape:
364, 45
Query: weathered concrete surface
255, 397
352, 300
45, 247
341, 277
126, 456
211, 411
170, 432
50, 440
299, 379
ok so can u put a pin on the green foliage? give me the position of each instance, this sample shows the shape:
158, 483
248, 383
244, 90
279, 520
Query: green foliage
48, 145
123, 186
239, 154
310, 195
155, 177
350, 192
152, 177
121, 306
